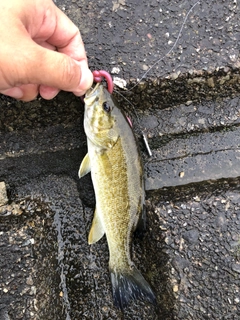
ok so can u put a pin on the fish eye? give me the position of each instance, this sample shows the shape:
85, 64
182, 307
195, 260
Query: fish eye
106, 107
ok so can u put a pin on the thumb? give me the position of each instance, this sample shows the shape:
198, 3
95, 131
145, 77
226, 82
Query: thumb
54, 69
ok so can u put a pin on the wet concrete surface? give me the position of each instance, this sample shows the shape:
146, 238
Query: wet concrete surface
189, 108
204, 61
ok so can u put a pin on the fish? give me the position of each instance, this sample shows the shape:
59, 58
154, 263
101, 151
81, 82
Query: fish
116, 168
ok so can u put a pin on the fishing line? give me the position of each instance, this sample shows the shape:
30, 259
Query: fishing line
172, 48
138, 121
144, 75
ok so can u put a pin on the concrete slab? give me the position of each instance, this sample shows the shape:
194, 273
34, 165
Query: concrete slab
132, 35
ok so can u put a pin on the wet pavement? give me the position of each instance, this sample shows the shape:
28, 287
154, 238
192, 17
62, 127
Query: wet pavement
189, 107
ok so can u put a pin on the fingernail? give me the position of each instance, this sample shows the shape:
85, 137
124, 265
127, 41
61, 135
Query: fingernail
85, 82
48, 93
15, 93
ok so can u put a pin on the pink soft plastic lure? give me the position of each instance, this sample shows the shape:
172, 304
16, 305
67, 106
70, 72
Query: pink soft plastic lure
99, 75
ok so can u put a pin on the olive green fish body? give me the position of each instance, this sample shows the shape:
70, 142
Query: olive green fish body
118, 200
116, 170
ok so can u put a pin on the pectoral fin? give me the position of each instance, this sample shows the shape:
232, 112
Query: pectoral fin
85, 167
97, 230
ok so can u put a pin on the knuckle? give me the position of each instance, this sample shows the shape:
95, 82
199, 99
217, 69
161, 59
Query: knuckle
69, 73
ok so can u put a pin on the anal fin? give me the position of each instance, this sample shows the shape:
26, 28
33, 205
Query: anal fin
141, 225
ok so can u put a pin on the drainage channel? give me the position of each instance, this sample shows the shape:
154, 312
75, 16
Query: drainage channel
190, 251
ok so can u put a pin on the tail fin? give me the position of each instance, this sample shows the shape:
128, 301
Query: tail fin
130, 286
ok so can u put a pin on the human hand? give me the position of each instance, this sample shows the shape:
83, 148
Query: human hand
41, 51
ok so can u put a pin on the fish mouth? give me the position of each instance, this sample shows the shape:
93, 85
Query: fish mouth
94, 94
92, 91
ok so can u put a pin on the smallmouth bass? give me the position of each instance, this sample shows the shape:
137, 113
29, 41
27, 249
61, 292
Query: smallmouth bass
117, 175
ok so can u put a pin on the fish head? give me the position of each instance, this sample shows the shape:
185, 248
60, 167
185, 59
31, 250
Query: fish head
99, 117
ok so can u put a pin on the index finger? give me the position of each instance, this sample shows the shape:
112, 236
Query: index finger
67, 37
